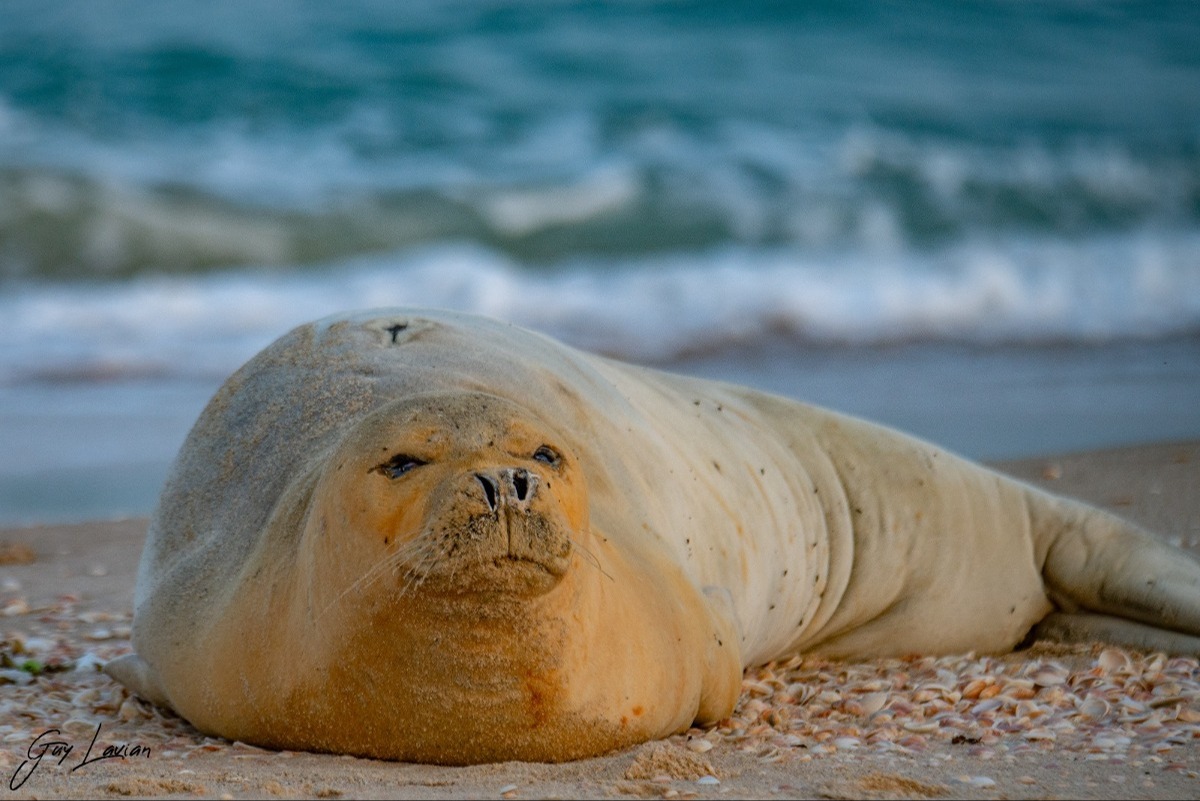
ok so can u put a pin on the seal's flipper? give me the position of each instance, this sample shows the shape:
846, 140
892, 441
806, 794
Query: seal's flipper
1072, 627
132, 671
1096, 562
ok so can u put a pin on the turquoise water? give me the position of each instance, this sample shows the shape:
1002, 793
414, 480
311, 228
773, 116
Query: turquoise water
703, 186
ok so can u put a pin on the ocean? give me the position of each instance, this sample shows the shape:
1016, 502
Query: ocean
976, 221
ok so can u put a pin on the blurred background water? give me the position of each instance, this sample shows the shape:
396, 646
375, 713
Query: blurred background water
978, 221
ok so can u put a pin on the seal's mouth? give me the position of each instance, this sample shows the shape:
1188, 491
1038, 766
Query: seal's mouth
492, 553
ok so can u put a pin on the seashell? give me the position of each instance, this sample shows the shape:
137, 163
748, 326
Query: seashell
757, 688
947, 677
699, 745
1094, 707
130, 710
987, 705
846, 743
79, 726
1040, 733
1050, 675
1188, 715
85, 697
753, 707
1028, 709
18, 607
1113, 661
873, 702
920, 727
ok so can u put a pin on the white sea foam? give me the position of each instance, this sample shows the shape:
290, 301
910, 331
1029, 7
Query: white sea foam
1023, 292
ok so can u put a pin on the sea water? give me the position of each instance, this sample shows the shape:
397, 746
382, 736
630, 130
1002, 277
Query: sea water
978, 221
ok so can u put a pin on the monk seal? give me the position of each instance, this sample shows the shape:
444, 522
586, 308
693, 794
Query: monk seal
429, 536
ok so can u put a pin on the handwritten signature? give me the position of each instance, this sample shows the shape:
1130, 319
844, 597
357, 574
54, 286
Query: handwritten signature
44, 745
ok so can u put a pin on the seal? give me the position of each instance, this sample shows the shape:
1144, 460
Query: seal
429, 536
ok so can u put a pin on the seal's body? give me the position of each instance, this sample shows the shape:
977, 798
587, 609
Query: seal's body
435, 537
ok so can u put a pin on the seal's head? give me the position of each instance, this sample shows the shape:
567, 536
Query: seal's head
459, 493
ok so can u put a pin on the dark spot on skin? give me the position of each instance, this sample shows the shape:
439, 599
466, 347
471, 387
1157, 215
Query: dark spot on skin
720, 408
387, 540
395, 330
637, 710
772, 606
762, 471
857, 510
785, 572
695, 403
717, 466
1014, 609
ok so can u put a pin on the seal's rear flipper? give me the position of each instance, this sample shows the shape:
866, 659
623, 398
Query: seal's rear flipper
135, 674
1072, 627
1095, 562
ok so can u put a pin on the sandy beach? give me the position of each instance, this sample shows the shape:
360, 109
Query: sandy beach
1048, 722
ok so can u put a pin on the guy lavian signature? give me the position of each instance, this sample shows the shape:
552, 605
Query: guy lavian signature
50, 745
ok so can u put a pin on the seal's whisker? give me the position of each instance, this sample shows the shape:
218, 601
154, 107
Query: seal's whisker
419, 555
589, 557
414, 576
412, 550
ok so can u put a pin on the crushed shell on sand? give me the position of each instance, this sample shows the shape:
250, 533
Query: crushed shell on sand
1105, 703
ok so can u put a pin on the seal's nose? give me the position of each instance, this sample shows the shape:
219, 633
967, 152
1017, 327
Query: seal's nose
519, 484
489, 490
512, 487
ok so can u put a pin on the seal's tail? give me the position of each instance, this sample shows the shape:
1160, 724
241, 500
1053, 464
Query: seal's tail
1113, 581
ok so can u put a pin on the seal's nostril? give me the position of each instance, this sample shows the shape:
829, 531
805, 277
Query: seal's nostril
521, 484
489, 490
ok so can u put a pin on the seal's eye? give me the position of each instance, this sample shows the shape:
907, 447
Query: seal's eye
399, 464
547, 455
